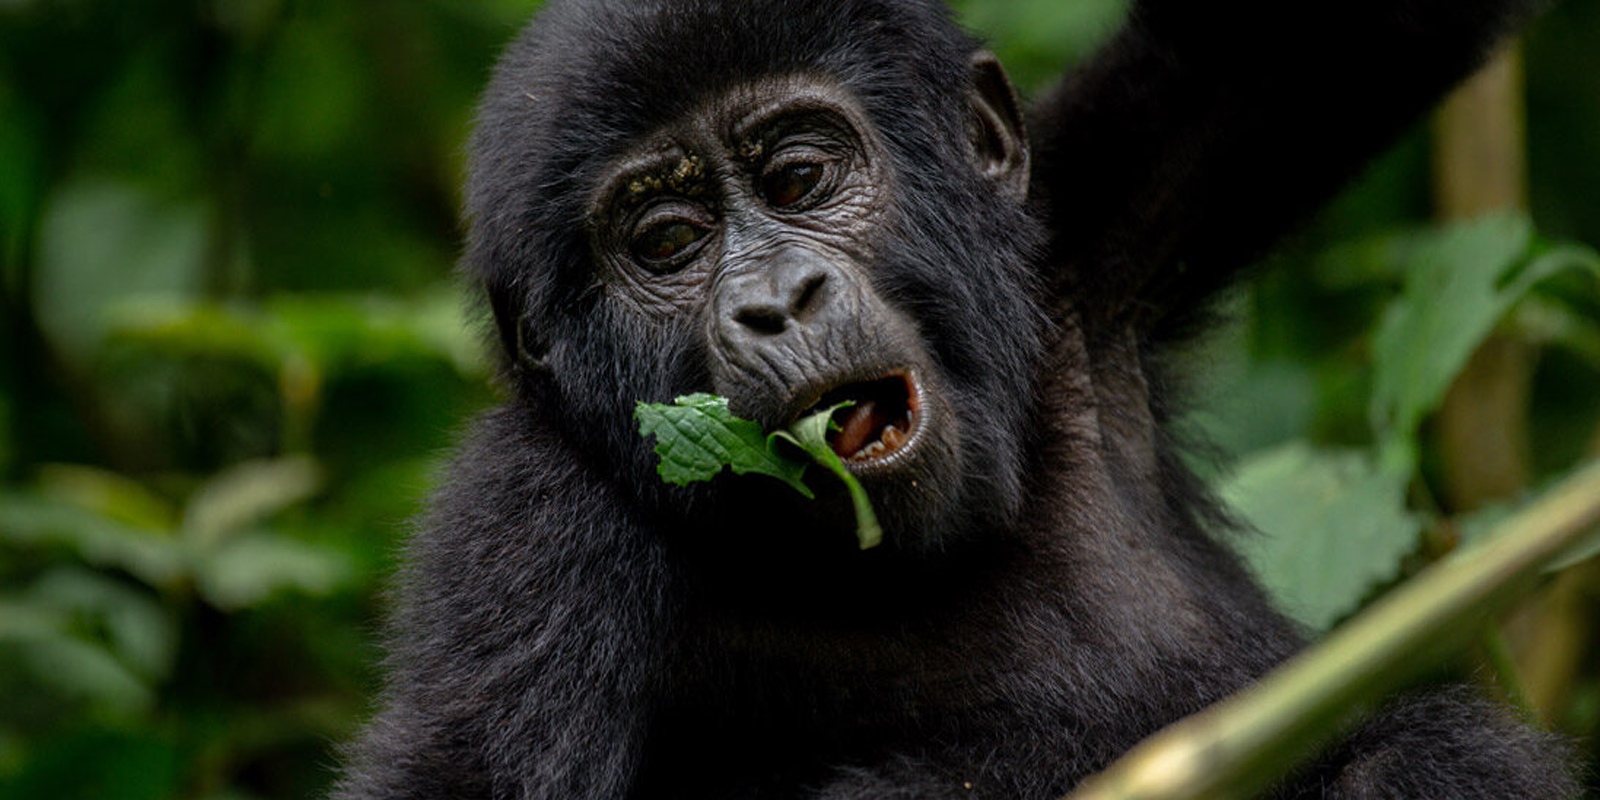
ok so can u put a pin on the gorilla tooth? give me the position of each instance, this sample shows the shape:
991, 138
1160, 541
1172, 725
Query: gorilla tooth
894, 437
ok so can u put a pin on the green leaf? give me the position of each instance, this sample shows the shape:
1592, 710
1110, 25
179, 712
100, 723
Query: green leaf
188, 329
249, 569
811, 435
48, 622
114, 496
246, 494
1034, 37
1590, 548
1459, 283
142, 634
1332, 525
698, 435
332, 331
29, 520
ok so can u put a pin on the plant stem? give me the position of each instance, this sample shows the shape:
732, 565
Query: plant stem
1497, 651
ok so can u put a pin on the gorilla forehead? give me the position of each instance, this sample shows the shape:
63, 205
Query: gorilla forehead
588, 77
625, 66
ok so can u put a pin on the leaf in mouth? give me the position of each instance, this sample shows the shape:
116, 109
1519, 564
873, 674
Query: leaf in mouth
811, 434
697, 436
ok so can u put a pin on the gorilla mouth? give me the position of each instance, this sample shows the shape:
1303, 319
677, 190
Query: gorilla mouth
882, 421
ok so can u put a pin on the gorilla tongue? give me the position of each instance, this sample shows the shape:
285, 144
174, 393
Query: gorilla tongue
861, 424
879, 421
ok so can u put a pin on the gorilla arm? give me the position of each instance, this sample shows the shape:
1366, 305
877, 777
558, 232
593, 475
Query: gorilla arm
527, 635
1186, 149
1206, 130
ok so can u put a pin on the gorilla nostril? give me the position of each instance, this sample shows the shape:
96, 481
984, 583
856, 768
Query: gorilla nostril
807, 298
768, 321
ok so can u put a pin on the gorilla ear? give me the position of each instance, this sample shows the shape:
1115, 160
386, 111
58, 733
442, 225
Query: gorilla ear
516, 334
999, 140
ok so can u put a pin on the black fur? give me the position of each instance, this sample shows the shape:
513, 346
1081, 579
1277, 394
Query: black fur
570, 627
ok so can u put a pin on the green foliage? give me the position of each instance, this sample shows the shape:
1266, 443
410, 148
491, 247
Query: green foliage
1336, 522
1332, 526
1036, 39
157, 248
1458, 284
327, 332
697, 436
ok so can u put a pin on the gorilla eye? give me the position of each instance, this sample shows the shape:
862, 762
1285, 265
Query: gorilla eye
666, 244
789, 184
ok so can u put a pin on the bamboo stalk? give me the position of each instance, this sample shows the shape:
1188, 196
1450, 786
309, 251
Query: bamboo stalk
1480, 166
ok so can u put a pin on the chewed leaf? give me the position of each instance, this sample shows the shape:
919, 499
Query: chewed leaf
811, 435
697, 436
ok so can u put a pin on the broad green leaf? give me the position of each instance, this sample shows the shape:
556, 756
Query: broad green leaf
341, 330
136, 628
439, 321
1547, 321
246, 494
1332, 525
1365, 261
24, 620
811, 435
1589, 549
329, 331
182, 328
1459, 283
43, 627
249, 569
1034, 38
698, 435
112, 495
154, 557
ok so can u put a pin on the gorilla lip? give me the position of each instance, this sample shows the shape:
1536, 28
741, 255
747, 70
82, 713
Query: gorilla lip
882, 422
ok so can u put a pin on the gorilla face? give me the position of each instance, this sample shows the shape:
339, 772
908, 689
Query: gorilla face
770, 229
761, 218
789, 240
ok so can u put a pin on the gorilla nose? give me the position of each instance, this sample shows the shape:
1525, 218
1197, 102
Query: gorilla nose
764, 302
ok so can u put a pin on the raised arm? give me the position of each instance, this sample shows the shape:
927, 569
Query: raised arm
1204, 131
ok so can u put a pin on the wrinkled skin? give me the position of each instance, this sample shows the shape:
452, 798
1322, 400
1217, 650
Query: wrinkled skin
790, 202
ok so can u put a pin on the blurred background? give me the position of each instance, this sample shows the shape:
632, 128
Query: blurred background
231, 355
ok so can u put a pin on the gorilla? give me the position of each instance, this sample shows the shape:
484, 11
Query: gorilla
794, 202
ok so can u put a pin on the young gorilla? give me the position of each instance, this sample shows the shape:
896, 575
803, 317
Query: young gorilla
788, 202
